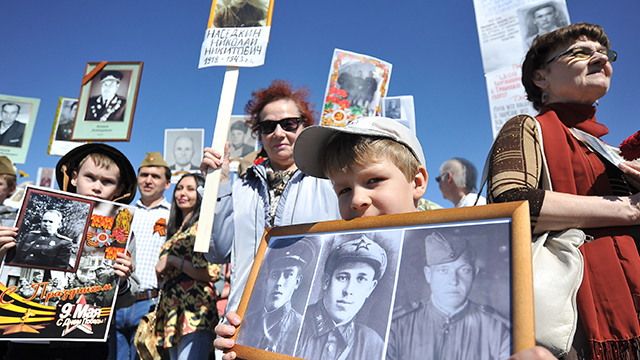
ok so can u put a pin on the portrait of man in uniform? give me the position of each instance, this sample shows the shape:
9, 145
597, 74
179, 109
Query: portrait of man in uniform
45, 247
330, 331
275, 324
11, 131
448, 325
108, 105
183, 150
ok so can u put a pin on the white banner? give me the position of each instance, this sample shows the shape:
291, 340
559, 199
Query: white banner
243, 47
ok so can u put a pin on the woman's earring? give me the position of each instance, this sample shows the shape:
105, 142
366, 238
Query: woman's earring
597, 102
545, 97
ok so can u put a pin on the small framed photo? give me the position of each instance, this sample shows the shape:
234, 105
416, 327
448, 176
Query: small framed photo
17, 119
52, 228
241, 140
107, 102
401, 109
59, 143
46, 177
183, 149
385, 284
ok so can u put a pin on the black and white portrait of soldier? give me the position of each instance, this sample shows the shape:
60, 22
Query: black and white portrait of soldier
393, 109
183, 149
109, 103
543, 18
360, 82
238, 146
273, 324
354, 268
447, 324
69, 108
240, 13
11, 130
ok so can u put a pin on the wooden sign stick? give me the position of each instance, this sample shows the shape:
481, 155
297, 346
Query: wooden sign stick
211, 185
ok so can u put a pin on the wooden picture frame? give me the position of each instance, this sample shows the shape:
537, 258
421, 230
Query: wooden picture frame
491, 244
101, 119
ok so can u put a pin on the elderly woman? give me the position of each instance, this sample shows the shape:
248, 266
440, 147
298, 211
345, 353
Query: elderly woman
564, 73
272, 192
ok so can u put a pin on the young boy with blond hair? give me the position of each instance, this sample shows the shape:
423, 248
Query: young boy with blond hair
377, 167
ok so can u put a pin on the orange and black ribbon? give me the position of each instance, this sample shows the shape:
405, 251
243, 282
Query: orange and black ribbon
160, 227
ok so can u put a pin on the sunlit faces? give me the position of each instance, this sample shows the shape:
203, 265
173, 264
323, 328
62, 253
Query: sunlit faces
281, 284
545, 18
450, 283
573, 80
378, 188
186, 194
152, 182
347, 289
50, 222
109, 89
9, 113
279, 144
100, 182
183, 150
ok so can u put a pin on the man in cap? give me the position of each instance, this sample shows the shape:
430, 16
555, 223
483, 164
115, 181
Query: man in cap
449, 325
275, 326
148, 228
108, 106
329, 332
11, 131
238, 148
45, 247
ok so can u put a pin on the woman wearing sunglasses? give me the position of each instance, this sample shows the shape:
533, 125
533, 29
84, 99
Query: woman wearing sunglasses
564, 73
272, 191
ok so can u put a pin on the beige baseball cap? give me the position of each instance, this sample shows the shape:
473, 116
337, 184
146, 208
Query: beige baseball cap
312, 140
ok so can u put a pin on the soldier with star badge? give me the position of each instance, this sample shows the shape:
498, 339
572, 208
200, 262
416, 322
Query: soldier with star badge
108, 106
45, 247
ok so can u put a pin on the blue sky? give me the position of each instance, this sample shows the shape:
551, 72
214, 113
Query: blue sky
433, 47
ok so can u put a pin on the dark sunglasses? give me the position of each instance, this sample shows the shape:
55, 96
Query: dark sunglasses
585, 53
288, 124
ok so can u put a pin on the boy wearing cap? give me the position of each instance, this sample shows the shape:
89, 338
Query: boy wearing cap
276, 325
101, 171
351, 273
148, 226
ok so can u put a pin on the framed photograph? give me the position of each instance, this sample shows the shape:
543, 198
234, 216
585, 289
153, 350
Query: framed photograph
18, 117
59, 284
400, 108
107, 102
392, 287
540, 18
355, 86
183, 149
46, 177
241, 140
59, 143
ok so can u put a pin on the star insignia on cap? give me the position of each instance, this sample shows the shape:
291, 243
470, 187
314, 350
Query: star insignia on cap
152, 159
361, 245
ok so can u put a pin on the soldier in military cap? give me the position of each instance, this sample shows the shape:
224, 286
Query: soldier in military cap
329, 332
7, 188
449, 325
45, 247
108, 106
275, 326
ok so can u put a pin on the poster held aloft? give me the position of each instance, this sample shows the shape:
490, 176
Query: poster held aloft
17, 119
229, 18
60, 142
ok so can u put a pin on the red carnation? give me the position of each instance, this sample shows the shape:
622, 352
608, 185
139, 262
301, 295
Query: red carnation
630, 148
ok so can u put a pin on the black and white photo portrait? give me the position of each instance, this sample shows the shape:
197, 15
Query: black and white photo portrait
183, 149
241, 141
392, 108
108, 96
51, 230
542, 18
68, 110
453, 295
240, 13
274, 314
14, 117
361, 82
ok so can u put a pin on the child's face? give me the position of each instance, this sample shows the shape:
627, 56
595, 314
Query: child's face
379, 188
5, 191
91, 180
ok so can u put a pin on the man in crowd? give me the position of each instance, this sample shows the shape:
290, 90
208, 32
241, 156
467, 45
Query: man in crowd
329, 332
275, 326
45, 247
457, 180
449, 325
148, 228
108, 106
11, 131
183, 149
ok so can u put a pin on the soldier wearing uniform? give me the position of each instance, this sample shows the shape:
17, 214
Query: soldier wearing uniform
109, 106
449, 325
275, 326
329, 332
45, 247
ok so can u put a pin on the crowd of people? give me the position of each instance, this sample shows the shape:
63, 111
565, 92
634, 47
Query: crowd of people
373, 166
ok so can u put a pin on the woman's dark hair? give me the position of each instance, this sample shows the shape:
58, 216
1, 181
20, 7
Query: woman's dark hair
278, 90
175, 214
544, 45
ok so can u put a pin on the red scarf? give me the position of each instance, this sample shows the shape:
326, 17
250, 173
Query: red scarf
609, 297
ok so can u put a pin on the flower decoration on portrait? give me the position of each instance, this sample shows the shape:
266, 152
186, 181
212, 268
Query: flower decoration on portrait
630, 148
120, 235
